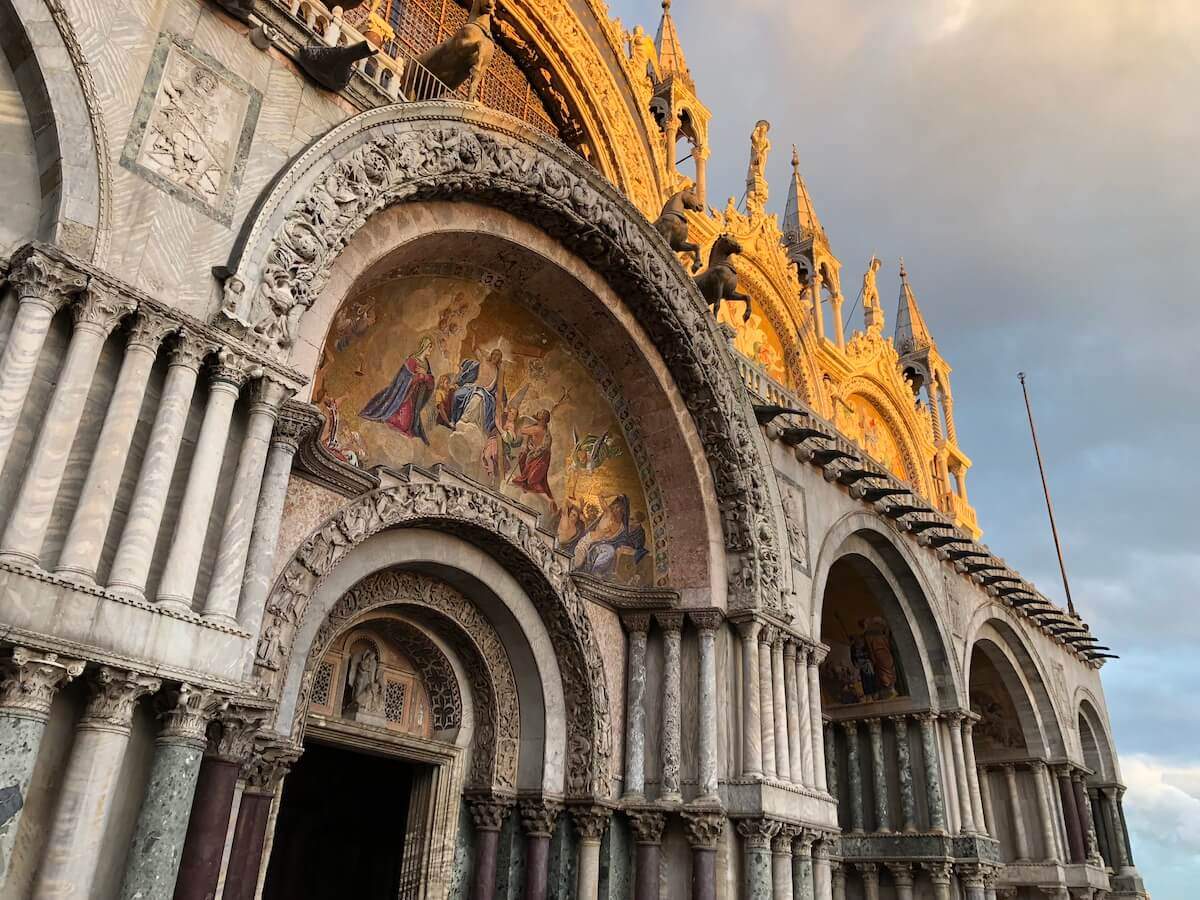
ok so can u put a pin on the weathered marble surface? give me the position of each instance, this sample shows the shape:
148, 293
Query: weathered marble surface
616, 875
20, 738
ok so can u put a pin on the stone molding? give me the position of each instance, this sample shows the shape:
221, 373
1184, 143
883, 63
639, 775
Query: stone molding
29, 679
418, 151
115, 693
624, 596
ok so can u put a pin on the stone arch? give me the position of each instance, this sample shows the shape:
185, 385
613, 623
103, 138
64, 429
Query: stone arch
298, 606
881, 399
1096, 745
445, 150
56, 85
898, 586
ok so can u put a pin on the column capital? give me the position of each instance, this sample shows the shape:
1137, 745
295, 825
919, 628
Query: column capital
186, 712
636, 622
295, 422
101, 308
868, 870
748, 628
939, 872
902, 874
149, 329
849, 726
267, 765
29, 680
669, 621
1037, 765
268, 394
802, 844
704, 827
781, 843
767, 635
45, 281
789, 650
115, 693
233, 739
191, 349
758, 833
648, 825
899, 720
233, 368
706, 619
538, 816
971, 874
875, 726
488, 812
591, 820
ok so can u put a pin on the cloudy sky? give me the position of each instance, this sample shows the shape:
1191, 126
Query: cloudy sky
1037, 164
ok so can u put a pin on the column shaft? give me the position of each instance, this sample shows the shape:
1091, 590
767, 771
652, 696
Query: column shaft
802, 869
783, 758
1118, 830
1079, 786
1047, 821
671, 749
854, 776
814, 709
973, 774
831, 763
781, 869
870, 880
752, 758
804, 728
204, 844
1018, 815
908, 800
483, 879
985, 797
766, 702
245, 854
933, 787
759, 882
649, 858
707, 731
635, 713
1071, 816
902, 878
704, 873
962, 788
791, 711
587, 881
822, 873
84, 543
883, 819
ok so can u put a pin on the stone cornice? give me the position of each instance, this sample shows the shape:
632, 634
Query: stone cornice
622, 596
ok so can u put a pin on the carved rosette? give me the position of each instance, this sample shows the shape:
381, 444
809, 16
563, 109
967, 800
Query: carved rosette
648, 825
29, 680
704, 828
47, 282
115, 693
186, 713
591, 821
538, 816
489, 813
758, 833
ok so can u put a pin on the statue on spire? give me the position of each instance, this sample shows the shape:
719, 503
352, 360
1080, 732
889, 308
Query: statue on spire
872, 310
756, 174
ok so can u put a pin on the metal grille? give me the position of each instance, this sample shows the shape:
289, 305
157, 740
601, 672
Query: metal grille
421, 24
393, 701
322, 682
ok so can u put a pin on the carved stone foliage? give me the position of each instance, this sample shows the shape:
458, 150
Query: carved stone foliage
192, 128
420, 152
527, 553
29, 679
114, 694
497, 717
704, 827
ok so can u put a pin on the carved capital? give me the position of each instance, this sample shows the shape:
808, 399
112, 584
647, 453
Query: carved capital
1037, 767
939, 872
706, 619
875, 726
971, 874
46, 282
704, 827
186, 712
803, 843
782, 842
849, 727
488, 813
789, 650
590, 821
758, 833
268, 394
191, 349
902, 874
538, 816
29, 679
296, 421
149, 329
233, 737
268, 765
101, 308
648, 825
234, 369
748, 629
767, 635
868, 870
115, 693
636, 623
669, 621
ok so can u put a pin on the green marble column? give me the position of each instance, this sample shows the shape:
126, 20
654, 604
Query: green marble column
757, 835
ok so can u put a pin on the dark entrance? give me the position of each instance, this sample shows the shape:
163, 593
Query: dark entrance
341, 825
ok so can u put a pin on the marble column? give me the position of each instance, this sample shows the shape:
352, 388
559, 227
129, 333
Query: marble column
968, 740
971, 878
538, 818
191, 527
29, 679
985, 797
818, 312
752, 758
84, 543
707, 622
837, 872
802, 866
781, 862
1017, 814
153, 861
814, 710
1120, 847
704, 829
1124, 826
908, 800
783, 756
883, 818
854, 776
869, 873
488, 814
1092, 845
229, 570
966, 814
939, 874
131, 566
648, 826
804, 733
1103, 836
89, 784
96, 315
637, 624
671, 748
701, 157
8, 308
262, 773
1071, 816
831, 762
1038, 768
933, 786
766, 700
590, 822
902, 878
208, 825
822, 871
43, 287
795, 766
757, 835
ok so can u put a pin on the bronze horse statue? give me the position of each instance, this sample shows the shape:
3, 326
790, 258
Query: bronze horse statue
719, 281
672, 223
464, 56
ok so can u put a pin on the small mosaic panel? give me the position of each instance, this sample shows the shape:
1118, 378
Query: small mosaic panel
192, 129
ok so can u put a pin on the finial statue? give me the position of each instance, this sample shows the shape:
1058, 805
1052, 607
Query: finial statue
719, 281
872, 310
756, 174
464, 57
643, 55
672, 224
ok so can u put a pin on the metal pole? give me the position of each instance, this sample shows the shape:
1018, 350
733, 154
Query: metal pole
1062, 566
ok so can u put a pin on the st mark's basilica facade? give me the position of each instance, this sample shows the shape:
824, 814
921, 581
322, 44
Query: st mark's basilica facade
413, 485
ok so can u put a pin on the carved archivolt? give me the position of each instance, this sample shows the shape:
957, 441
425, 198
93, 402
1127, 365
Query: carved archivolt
527, 553
456, 151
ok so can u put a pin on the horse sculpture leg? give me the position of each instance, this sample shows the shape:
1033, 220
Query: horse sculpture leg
693, 249
745, 298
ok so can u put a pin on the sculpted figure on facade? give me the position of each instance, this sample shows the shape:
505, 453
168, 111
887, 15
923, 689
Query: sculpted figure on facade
756, 174
364, 679
872, 310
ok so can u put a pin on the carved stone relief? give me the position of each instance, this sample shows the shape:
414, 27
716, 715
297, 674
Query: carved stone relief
795, 516
192, 128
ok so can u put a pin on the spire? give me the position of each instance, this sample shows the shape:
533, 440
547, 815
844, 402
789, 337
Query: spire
670, 51
911, 333
800, 220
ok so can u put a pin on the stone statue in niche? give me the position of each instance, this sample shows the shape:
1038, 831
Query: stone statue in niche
672, 223
719, 281
464, 57
364, 683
